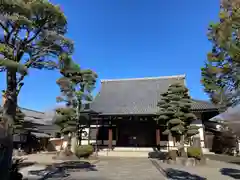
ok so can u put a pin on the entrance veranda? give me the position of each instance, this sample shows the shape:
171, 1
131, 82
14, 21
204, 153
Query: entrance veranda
129, 131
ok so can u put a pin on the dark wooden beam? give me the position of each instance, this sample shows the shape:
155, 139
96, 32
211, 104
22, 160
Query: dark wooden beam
158, 139
158, 134
110, 136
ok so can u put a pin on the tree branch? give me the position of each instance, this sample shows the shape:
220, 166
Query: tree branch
30, 62
4, 28
37, 33
10, 33
15, 37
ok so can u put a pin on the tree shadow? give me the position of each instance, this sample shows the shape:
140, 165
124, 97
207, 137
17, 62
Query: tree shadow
234, 173
180, 175
62, 170
26, 164
176, 174
76, 165
157, 155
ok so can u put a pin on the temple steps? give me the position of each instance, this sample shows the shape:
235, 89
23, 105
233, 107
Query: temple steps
123, 153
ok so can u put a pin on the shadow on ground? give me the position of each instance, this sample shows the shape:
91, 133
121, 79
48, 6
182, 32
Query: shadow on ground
233, 173
62, 170
157, 155
26, 164
176, 174
179, 175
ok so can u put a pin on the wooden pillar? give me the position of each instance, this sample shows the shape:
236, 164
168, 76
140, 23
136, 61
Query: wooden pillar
110, 138
158, 136
102, 126
116, 134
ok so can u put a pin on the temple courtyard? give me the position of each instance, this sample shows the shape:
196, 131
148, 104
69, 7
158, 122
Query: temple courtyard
116, 168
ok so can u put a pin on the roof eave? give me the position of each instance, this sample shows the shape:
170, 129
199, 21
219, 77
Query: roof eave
152, 114
182, 76
126, 114
205, 110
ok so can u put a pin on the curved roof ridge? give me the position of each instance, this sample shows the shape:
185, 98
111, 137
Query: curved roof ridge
181, 76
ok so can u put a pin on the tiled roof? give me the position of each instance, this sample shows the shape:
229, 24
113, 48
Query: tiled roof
200, 105
137, 96
34, 117
49, 129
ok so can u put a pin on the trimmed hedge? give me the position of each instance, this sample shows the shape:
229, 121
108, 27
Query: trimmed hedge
194, 152
84, 151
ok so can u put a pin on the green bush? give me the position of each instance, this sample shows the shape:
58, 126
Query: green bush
84, 151
173, 154
194, 152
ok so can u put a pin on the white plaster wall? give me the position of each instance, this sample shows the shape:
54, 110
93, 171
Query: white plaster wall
85, 140
57, 145
99, 142
201, 134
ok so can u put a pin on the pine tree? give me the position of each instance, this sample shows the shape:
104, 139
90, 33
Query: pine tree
175, 113
33, 37
221, 75
66, 121
19, 123
76, 86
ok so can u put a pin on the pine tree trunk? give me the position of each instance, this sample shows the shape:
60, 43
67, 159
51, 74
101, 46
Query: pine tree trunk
181, 148
6, 136
69, 141
62, 140
169, 139
73, 143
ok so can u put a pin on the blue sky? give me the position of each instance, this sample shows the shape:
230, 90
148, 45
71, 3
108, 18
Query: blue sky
129, 39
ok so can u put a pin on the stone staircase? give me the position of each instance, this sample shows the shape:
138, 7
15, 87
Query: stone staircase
206, 151
125, 152
133, 152
122, 154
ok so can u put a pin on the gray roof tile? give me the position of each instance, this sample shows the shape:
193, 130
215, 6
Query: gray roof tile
136, 96
200, 105
34, 117
32, 113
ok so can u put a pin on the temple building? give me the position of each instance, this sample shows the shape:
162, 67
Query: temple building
123, 113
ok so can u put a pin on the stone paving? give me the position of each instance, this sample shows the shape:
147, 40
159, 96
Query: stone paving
115, 169
224, 158
123, 168
214, 170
